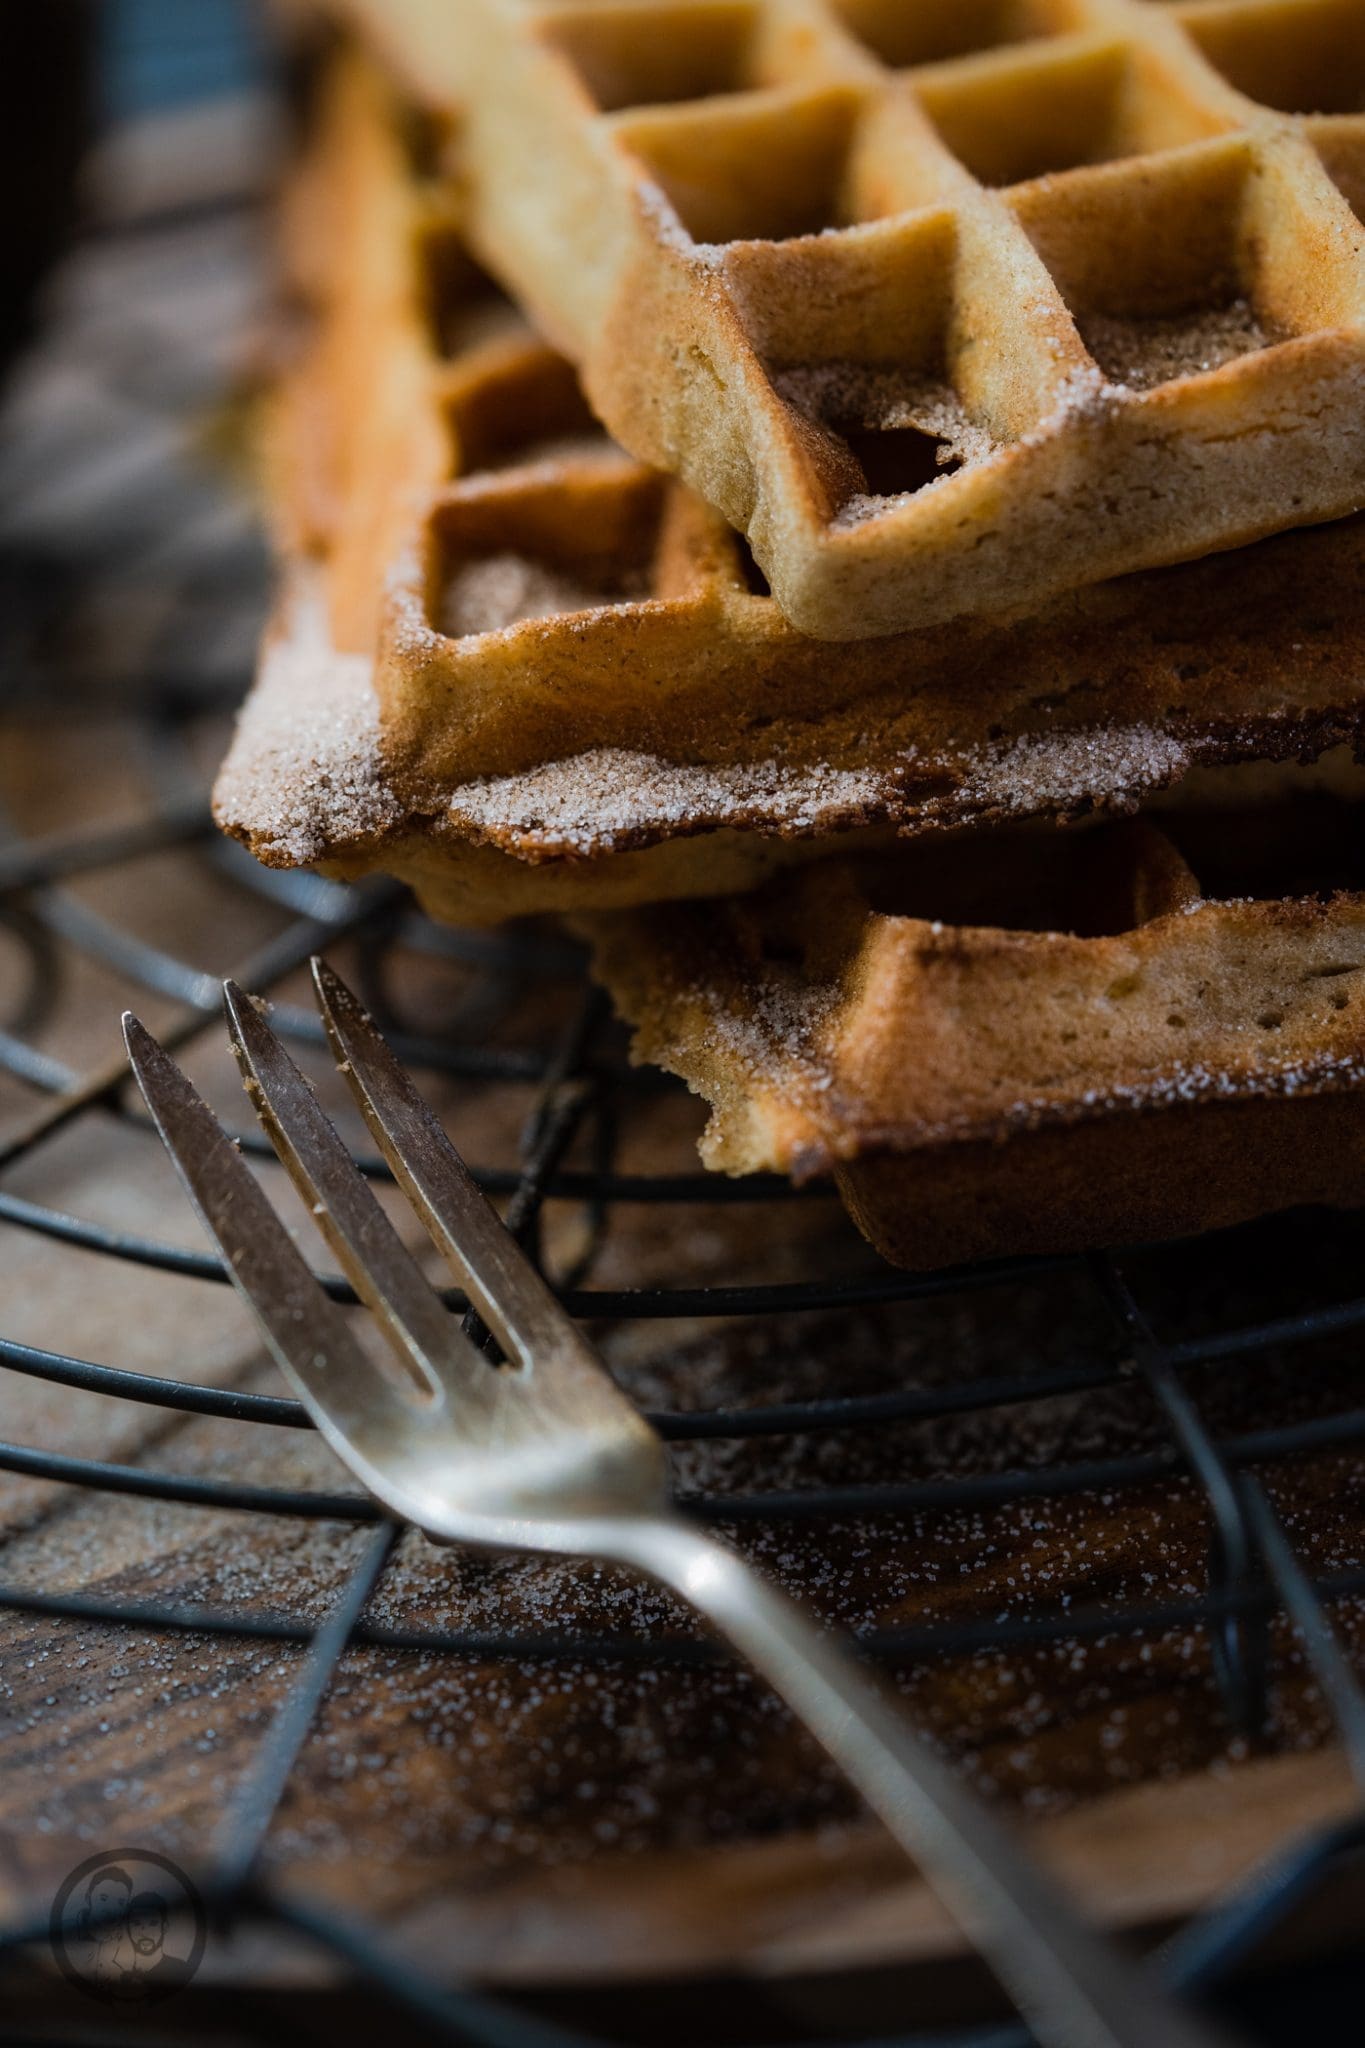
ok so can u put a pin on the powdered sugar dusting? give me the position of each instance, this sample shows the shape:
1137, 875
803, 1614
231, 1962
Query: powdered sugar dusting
1185, 1082
305, 771
614, 794
661, 218
495, 591
1138, 355
1066, 772
849, 394
306, 779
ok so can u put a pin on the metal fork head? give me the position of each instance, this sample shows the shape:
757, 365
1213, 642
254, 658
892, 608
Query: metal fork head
530, 1454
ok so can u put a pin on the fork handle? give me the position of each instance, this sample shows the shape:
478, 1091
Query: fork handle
1075, 1987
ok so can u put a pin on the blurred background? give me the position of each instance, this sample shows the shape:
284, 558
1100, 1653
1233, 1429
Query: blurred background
145, 128
73, 69
158, 54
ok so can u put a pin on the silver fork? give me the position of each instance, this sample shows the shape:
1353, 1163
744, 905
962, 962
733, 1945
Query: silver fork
544, 1453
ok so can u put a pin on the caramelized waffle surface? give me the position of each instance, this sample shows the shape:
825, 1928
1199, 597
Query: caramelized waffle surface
1031, 1043
949, 305
526, 673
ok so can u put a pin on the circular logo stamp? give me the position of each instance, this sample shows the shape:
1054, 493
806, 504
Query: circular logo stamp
128, 1927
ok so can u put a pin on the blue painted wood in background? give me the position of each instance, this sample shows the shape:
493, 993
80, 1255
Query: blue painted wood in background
157, 55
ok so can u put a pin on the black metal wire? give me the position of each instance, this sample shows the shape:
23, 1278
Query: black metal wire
234, 1856
1254, 1573
900, 1646
454, 2015
786, 1418
602, 1304
812, 1504
1240, 1640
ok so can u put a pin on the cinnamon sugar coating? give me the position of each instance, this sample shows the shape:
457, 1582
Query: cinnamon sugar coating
1033, 1042
621, 712
948, 308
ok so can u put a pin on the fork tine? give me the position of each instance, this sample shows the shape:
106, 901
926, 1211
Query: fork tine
423, 1334
505, 1288
307, 1333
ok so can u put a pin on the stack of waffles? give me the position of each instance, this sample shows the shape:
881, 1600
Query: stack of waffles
880, 557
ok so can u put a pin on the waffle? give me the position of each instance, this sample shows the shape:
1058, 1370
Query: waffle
653, 727
948, 307
1035, 1043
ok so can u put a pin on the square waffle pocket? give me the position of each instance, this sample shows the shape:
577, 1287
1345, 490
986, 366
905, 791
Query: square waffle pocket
1032, 1042
948, 307
526, 673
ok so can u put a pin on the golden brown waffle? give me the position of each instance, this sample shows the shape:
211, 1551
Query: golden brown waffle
949, 305
660, 730
1036, 1042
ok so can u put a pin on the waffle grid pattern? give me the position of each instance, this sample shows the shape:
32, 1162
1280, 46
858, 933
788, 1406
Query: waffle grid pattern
1120, 1034
947, 308
576, 662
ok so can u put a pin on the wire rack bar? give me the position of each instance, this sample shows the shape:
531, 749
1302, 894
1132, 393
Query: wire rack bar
895, 1646
602, 1304
234, 1856
455, 2015
261, 969
785, 1418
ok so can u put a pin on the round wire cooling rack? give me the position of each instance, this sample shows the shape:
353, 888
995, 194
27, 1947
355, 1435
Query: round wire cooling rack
102, 522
